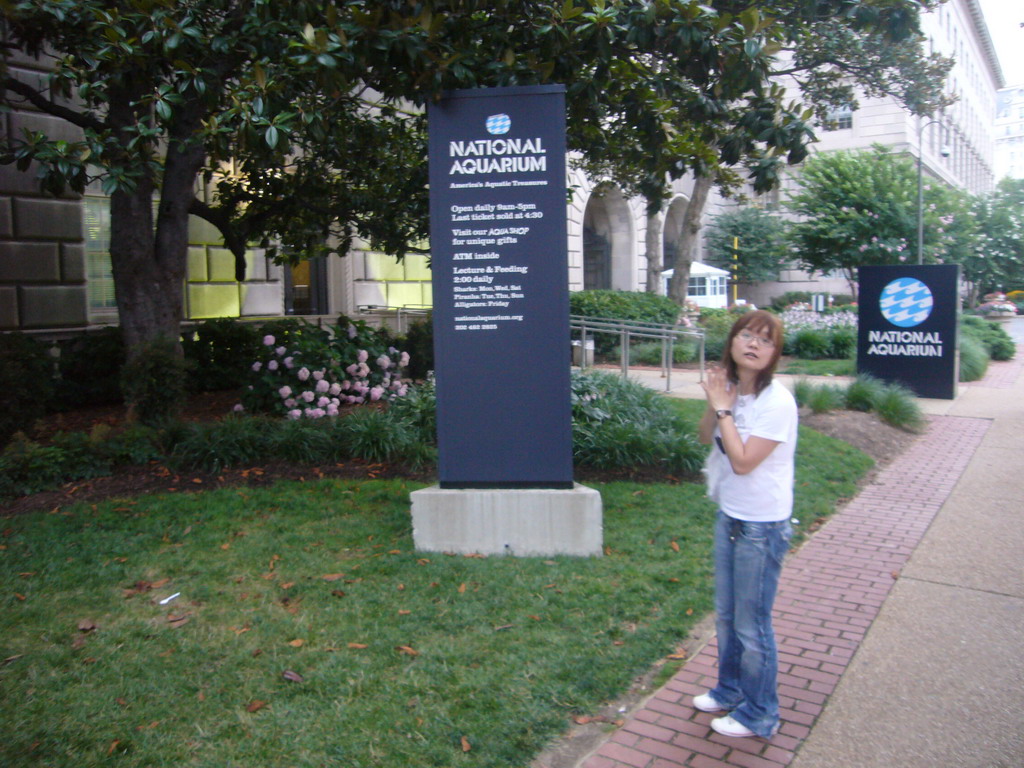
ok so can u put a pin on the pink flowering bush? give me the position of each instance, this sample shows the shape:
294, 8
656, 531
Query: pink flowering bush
304, 371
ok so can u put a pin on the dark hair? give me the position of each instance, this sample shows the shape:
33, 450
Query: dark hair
761, 322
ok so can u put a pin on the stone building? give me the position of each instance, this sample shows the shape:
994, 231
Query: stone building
55, 269
1010, 133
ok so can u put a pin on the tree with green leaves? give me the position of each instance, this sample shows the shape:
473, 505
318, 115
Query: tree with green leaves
831, 52
995, 261
301, 125
762, 247
860, 207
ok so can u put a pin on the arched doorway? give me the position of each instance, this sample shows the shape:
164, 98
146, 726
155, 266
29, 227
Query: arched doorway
607, 241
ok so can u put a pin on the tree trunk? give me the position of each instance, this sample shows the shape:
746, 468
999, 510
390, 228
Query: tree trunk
653, 247
851, 280
148, 262
688, 240
148, 289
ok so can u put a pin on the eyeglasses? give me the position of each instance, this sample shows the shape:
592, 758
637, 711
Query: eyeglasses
746, 337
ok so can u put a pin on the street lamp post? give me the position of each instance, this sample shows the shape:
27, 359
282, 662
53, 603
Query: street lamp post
921, 125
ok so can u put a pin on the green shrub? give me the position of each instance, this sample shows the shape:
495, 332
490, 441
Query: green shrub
716, 324
419, 343
802, 390
621, 305
90, 369
898, 406
619, 424
217, 445
973, 358
26, 382
822, 398
864, 393
221, 351
376, 435
811, 344
29, 467
650, 353
419, 410
842, 343
155, 383
779, 303
993, 337
624, 305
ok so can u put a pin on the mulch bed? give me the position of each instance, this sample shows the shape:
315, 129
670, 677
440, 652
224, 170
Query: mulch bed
132, 481
128, 482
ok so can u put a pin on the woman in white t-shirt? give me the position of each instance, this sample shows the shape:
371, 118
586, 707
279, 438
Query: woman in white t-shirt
752, 422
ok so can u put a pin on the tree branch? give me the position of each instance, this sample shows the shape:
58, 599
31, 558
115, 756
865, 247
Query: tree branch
233, 240
35, 98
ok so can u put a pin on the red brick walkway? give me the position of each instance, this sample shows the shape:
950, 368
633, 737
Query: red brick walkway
830, 591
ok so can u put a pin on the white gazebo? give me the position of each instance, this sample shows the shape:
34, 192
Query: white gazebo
708, 286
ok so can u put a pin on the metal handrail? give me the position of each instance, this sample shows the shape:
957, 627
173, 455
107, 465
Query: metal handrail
666, 333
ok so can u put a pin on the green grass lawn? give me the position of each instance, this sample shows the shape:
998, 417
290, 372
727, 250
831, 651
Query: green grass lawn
820, 367
308, 632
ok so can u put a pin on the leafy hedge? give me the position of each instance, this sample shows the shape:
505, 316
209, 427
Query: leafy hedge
621, 305
991, 336
617, 425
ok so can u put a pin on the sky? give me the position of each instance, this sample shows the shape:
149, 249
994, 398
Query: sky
1003, 18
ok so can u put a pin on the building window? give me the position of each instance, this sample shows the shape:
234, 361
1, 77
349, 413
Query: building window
99, 276
839, 119
698, 286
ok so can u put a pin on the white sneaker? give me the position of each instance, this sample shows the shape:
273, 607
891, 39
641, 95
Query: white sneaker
707, 703
729, 727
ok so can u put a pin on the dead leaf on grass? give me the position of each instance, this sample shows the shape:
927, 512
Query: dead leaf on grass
177, 621
357, 646
293, 677
408, 650
466, 746
255, 705
87, 625
296, 643
332, 576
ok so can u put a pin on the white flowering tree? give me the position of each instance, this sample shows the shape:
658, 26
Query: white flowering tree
996, 260
860, 208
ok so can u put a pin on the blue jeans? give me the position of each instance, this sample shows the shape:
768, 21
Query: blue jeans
748, 560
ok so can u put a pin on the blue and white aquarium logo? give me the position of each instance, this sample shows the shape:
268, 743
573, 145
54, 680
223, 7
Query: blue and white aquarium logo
906, 302
498, 125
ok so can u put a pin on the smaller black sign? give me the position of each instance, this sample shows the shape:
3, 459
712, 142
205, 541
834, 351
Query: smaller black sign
908, 322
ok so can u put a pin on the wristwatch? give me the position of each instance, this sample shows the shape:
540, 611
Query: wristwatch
722, 413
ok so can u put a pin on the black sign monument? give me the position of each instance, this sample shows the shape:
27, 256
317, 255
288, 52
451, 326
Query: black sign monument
907, 326
500, 288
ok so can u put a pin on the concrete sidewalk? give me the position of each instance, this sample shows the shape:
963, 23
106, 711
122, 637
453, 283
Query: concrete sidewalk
900, 623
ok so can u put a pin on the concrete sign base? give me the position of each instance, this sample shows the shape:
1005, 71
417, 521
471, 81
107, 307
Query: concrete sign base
526, 522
